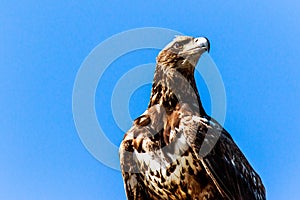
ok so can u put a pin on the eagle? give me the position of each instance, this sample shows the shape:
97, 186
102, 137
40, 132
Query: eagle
175, 150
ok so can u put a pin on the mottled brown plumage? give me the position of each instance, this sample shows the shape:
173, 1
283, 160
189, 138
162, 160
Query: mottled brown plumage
175, 150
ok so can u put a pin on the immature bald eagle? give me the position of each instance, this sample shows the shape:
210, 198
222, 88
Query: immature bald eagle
174, 150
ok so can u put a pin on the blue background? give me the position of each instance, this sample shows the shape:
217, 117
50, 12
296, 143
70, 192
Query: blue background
42, 45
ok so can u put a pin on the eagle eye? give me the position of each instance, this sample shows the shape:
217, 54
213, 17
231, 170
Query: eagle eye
178, 45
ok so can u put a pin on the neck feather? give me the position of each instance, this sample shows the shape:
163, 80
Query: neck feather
172, 86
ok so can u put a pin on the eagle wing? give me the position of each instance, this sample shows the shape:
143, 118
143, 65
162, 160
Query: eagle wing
137, 151
130, 167
231, 171
221, 157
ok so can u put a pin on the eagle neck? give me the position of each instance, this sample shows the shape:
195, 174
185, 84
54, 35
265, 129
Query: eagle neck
172, 86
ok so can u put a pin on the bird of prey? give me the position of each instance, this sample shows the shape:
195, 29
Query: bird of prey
174, 150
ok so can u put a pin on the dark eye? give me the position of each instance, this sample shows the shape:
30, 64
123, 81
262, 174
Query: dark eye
178, 45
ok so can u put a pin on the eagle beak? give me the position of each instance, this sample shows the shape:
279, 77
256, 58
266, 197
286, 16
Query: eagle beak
203, 42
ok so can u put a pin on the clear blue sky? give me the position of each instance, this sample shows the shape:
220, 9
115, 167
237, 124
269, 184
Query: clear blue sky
42, 45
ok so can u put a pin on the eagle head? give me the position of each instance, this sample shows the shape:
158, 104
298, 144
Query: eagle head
183, 52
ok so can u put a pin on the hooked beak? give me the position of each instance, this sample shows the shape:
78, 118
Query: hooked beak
202, 42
